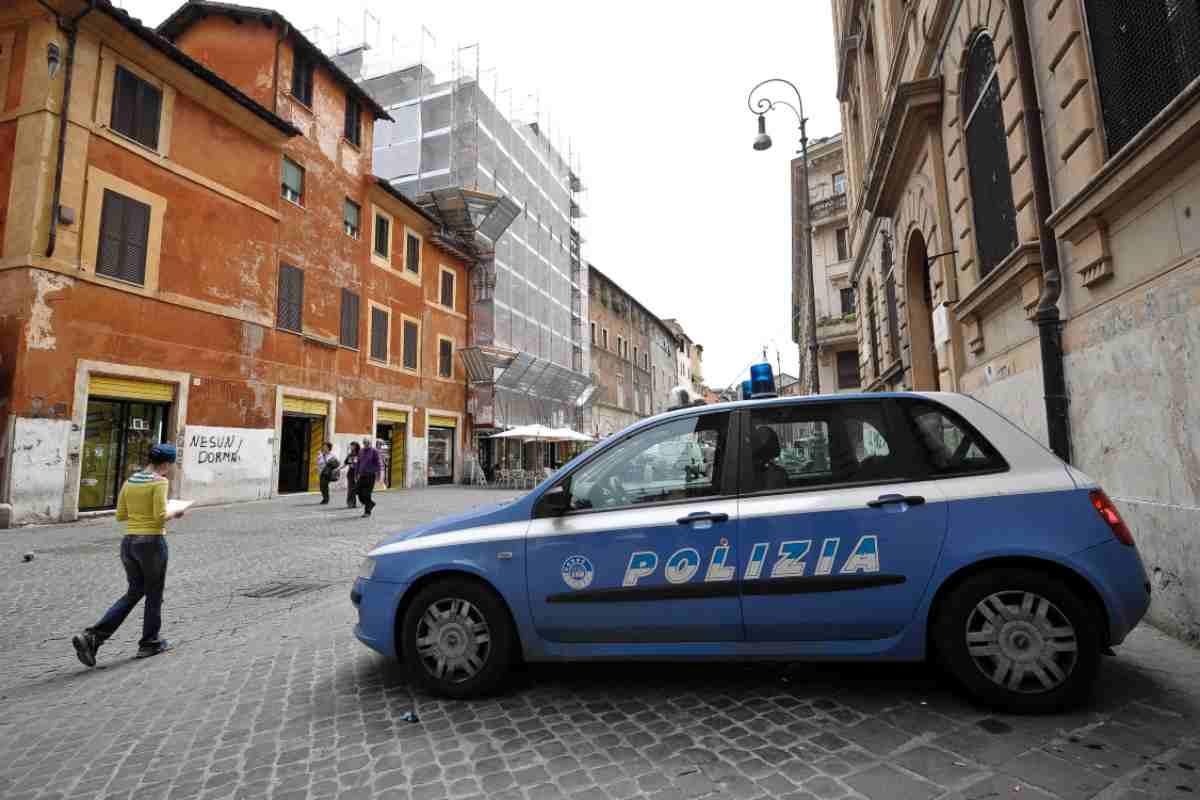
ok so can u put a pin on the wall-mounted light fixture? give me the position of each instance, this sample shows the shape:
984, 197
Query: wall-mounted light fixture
53, 58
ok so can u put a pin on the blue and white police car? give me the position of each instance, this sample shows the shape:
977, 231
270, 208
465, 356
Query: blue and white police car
889, 527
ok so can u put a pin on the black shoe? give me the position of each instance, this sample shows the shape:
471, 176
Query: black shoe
367, 513
323, 503
147, 650
85, 647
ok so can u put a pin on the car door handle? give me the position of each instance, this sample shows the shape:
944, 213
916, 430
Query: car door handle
702, 517
888, 499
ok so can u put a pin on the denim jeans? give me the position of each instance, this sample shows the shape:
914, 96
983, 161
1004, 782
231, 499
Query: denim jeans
145, 562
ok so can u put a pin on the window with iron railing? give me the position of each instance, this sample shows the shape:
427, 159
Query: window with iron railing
1145, 54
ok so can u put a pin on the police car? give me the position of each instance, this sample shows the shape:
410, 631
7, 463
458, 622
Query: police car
891, 527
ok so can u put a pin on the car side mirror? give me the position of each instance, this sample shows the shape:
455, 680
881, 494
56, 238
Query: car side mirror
554, 502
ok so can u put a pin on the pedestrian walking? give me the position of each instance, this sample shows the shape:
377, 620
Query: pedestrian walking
352, 475
142, 506
327, 464
369, 467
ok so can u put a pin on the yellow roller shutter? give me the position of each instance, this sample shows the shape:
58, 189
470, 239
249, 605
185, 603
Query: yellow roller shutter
302, 405
397, 477
444, 422
130, 389
388, 415
316, 438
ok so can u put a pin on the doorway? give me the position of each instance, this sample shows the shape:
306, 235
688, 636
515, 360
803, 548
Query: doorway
919, 289
441, 455
391, 436
300, 440
118, 435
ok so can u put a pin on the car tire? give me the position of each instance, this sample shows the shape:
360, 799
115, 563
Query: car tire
457, 639
1019, 640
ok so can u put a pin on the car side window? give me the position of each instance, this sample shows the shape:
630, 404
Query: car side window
950, 446
678, 460
807, 446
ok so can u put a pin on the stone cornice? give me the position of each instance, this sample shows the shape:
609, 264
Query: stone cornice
1002, 282
915, 104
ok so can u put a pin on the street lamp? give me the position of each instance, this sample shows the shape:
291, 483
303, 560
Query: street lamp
762, 141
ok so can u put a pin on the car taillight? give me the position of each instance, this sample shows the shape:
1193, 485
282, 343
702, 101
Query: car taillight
1108, 512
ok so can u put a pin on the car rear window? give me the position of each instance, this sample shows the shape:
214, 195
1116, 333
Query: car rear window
950, 445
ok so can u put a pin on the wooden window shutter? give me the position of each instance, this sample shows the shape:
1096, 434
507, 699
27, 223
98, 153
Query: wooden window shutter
349, 336
137, 106
379, 334
445, 358
291, 298
410, 345
412, 255
149, 109
382, 236
124, 235
448, 289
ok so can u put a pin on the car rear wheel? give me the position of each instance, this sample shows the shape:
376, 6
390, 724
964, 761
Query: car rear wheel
457, 638
1019, 640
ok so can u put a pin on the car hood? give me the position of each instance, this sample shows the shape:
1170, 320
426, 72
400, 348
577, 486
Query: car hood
487, 515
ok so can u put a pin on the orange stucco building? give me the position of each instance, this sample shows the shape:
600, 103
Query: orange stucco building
221, 271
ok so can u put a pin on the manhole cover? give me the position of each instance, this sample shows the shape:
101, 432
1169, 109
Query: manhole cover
282, 589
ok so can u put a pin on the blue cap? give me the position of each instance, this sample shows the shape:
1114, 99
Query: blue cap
162, 454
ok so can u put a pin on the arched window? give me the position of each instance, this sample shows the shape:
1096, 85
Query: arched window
873, 330
987, 157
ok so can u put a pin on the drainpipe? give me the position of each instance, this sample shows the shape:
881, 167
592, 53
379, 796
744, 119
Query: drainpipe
71, 28
1047, 318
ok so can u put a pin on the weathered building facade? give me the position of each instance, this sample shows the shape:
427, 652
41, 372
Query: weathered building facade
620, 342
837, 332
689, 358
216, 267
1023, 178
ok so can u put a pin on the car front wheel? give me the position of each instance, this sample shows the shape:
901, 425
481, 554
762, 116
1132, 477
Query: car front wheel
1019, 640
457, 638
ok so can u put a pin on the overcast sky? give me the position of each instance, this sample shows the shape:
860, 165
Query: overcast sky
652, 94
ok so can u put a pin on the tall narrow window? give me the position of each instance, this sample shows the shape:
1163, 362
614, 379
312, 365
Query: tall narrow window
1145, 54
136, 108
412, 341
302, 78
124, 235
839, 183
351, 218
893, 322
873, 330
843, 244
379, 334
412, 254
445, 358
353, 127
593, 332
349, 332
293, 181
383, 236
447, 289
987, 157
291, 299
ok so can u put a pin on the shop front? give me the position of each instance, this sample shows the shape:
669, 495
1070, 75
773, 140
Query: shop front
125, 417
391, 432
302, 432
442, 435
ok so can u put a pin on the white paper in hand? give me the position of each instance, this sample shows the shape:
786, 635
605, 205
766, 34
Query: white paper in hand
178, 506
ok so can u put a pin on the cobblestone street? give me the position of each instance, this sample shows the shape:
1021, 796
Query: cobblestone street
273, 697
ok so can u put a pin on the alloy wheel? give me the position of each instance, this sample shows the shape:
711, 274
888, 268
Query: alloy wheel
453, 640
1022, 642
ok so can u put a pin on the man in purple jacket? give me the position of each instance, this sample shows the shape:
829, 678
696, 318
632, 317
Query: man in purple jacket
369, 467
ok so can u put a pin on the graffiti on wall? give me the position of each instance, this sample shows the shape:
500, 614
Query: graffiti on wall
217, 449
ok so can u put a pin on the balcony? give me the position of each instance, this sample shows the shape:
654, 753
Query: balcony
837, 329
828, 207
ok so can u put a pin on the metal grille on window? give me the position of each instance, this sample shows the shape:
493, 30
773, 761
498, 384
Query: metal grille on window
1145, 54
411, 339
987, 157
893, 317
379, 334
349, 332
124, 234
412, 254
445, 358
293, 180
291, 298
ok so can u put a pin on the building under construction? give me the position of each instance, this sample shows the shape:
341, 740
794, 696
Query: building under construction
528, 360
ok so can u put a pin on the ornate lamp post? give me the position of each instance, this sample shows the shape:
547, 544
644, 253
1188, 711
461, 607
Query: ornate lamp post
762, 141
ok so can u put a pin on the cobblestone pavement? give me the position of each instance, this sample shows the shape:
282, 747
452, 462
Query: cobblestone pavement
274, 698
